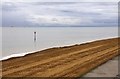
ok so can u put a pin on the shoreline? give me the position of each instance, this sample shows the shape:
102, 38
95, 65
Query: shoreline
12, 56
69, 61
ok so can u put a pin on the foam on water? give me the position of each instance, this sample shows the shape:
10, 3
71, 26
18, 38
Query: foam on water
16, 55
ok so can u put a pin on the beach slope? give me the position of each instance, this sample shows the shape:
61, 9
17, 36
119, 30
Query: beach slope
68, 61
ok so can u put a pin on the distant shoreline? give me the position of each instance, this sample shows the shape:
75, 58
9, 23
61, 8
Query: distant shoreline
59, 26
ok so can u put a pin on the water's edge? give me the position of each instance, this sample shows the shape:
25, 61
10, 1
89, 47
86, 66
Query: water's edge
23, 54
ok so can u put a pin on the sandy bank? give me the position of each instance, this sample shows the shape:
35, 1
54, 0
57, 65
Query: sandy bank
70, 61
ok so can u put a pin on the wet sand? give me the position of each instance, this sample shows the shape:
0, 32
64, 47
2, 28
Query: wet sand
70, 61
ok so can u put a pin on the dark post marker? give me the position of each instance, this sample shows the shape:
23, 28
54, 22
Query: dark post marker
34, 36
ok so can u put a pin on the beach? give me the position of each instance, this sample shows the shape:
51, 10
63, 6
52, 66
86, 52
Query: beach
69, 61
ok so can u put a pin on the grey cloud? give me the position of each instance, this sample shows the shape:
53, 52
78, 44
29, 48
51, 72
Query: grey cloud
80, 14
53, 3
8, 6
92, 14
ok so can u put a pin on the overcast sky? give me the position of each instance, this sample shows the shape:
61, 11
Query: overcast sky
59, 13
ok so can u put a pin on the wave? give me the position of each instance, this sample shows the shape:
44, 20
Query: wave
15, 55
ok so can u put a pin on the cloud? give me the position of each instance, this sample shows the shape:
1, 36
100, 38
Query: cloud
60, 14
45, 19
8, 6
60, 0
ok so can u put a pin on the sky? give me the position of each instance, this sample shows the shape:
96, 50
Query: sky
27, 13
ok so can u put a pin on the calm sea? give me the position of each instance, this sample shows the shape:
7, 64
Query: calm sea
18, 41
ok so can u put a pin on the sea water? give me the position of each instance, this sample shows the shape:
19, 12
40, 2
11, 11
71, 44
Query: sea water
18, 41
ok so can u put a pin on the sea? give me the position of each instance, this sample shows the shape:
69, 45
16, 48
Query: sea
19, 41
